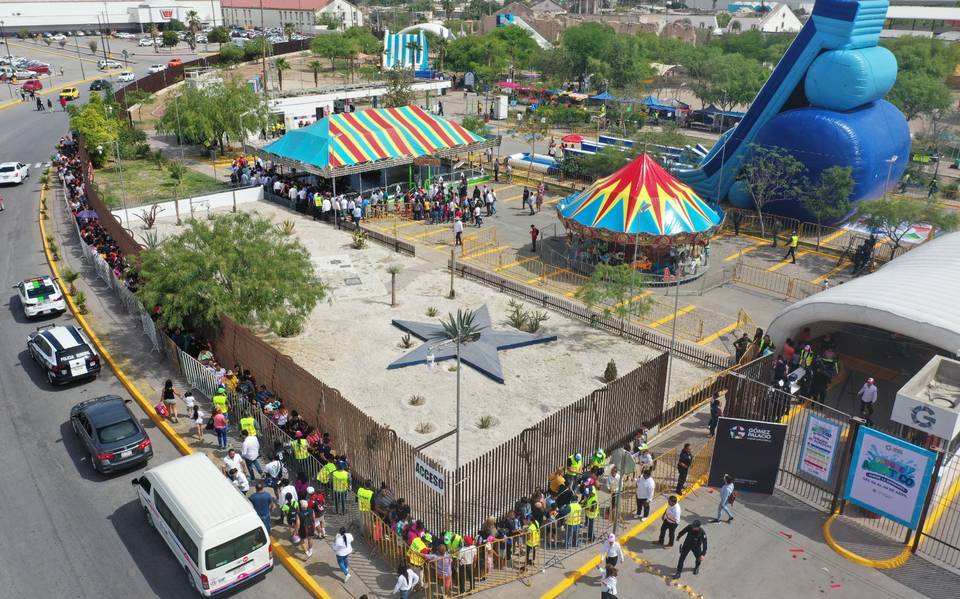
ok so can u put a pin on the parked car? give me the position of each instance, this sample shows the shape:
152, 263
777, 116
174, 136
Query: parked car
175, 62
64, 353
40, 296
38, 68
70, 93
23, 74
111, 434
104, 65
13, 172
58, 37
145, 41
156, 68
31, 85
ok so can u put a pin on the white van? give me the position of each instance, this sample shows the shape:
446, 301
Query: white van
210, 527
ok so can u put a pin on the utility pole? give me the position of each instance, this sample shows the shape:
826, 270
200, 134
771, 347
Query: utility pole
263, 34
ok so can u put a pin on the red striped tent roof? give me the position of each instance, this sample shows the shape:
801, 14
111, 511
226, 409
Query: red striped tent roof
366, 136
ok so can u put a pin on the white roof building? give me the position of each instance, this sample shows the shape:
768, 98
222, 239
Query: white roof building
779, 19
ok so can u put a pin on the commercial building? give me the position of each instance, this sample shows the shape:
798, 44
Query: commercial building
304, 14
119, 15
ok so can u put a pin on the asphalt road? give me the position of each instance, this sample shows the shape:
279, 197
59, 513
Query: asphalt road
67, 531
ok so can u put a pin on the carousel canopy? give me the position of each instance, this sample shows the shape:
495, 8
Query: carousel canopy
639, 199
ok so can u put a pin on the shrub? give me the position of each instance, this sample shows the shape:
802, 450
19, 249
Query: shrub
486, 422
286, 227
289, 325
359, 239
424, 428
432, 311
70, 277
80, 299
406, 342
417, 400
610, 373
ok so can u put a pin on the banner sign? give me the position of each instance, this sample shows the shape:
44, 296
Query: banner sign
889, 476
427, 475
749, 451
819, 448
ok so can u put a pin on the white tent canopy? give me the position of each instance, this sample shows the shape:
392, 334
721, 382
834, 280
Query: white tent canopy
916, 295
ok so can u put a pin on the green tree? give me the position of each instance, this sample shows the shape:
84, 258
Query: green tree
288, 30
281, 65
170, 39
62, 43
365, 40
219, 35
586, 41
919, 93
730, 80
617, 290
238, 264
399, 88
518, 45
328, 46
770, 173
474, 124
315, 67
830, 198
92, 44
893, 217
477, 9
257, 47
231, 53
193, 27
91, 121
176, 25
153, 31
215, 114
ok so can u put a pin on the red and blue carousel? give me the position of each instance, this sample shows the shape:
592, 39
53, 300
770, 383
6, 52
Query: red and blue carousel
644, 216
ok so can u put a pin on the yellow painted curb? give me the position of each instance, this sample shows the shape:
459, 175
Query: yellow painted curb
295, 569
884, 564
591, 564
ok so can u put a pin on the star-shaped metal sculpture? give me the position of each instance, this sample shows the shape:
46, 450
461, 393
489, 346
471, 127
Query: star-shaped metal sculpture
480, 354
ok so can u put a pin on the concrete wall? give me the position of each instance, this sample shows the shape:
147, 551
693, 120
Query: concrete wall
197, 206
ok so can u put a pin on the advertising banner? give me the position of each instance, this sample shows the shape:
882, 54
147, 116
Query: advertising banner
889, 476
819, 448
749, 451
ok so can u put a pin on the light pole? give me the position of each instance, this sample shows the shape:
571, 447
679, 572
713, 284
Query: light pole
890, 162
79, 59
5, 42
456, 469
673, 340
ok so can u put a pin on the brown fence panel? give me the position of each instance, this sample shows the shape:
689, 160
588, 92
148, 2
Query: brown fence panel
128, 245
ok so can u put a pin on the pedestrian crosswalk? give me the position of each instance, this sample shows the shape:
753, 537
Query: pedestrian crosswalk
41, 165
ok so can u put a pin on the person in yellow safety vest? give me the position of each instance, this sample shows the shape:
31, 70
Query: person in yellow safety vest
219, 401
573, 519
323, 477
364, 497
341, 484
806, 357
574, 465
533, 539
597, 460
415, 552
249, 423
591, 509
317, 205
792, 250
453, 541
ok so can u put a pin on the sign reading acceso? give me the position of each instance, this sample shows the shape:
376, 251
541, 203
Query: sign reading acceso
749, 451
889, 476
428, 476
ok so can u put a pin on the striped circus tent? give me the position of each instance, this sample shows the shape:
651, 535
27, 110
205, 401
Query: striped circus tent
640, 203
405, 50
365, 137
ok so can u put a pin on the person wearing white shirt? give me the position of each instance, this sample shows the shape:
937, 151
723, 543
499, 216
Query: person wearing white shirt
407, 580
458, 232
293, 193
233, 460
343, 547
239, 480
612, 551
671, 518
250, 452
277, 186
608, 583
645, 490
288, 488
645, 461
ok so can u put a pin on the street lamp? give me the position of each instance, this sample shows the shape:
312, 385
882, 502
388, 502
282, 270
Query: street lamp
5, 42
890, 162
123, 189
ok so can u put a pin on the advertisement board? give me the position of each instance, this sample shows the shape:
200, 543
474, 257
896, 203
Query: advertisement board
889, 476
818, 449
749, 451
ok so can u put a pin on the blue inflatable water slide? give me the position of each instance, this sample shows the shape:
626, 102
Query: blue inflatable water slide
823, 103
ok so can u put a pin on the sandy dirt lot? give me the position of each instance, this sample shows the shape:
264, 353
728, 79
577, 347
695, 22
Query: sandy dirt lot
349, 340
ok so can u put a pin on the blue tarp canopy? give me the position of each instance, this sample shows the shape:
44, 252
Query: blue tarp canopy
603, 97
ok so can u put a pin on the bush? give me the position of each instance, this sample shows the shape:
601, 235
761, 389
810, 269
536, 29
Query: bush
80, 299
432, 311
610, 373
406, 342
289, 325
359, 239
417, 400
231, 53
70, 277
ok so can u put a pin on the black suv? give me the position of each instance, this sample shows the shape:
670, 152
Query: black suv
112, 435
99, 84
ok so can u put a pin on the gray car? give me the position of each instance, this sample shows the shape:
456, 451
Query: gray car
111, 434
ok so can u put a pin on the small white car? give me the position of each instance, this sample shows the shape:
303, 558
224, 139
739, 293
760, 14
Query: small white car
156, 68
79, 33
40, 296
126, 77
23, 74
13, 172
104, 65
64, 353
58, 37
145, 41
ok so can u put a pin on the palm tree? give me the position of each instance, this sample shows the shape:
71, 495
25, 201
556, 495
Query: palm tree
288, 30
152, 30
315, 67
460, 329
193, 26
440, 44
281, 65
